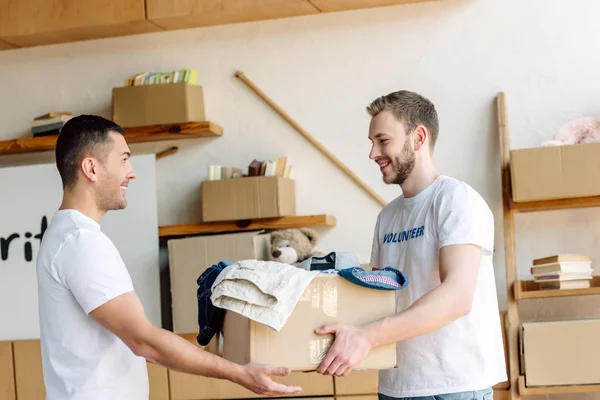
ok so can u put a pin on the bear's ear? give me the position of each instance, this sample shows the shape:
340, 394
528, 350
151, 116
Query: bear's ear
311, 234
275, 235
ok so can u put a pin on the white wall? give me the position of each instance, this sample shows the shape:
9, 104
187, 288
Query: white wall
34, 191
323, 70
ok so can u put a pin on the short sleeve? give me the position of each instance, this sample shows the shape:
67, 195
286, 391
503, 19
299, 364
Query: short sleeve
374, 263
464, 218
91, 267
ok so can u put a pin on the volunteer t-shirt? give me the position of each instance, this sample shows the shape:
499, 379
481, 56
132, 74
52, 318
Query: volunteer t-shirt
468, 353
78, 270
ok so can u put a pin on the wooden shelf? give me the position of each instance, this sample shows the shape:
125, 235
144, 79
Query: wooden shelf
560, 204
239, 226
531, 290
141, 140
144, 134
567, 389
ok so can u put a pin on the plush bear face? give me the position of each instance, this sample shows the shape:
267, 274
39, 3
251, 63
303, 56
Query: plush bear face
292, 245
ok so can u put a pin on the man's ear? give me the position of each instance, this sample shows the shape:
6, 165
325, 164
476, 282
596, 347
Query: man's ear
420, 136
89, 168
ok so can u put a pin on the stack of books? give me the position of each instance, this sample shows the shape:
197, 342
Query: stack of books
563, 271
50, 124
279, 167
187, 75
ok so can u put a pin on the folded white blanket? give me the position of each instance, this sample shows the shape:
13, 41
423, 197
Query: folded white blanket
264, 291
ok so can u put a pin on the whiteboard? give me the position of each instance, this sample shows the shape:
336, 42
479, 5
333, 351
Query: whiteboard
31, 193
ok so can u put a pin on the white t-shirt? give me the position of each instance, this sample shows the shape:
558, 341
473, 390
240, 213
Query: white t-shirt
79, 269
468, 353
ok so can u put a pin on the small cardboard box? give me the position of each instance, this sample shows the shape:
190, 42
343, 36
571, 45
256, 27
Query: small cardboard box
7, 372
561, 352
190, 257
185, 386
248, 198
329, 298
556, 172
162, 104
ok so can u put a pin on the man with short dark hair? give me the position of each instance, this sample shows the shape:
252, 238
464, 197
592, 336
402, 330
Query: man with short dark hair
440, 233
95, 337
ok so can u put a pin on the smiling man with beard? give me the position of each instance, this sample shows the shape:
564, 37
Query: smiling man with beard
95, 337
440, 233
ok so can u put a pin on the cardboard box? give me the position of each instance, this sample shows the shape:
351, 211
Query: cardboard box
7, 372
357, 382
561, 352
172, 103
193, 387
557, 172
158, 379
29, 377
248, 198
329, 298
190, 257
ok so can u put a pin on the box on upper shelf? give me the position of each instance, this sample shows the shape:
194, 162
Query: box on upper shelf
555, 172
248, 198
161, 104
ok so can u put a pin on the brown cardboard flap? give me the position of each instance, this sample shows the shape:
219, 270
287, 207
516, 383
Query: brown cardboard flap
556, 172
7, 372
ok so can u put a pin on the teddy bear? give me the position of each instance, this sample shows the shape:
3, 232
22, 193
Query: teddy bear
292, 246
581, 130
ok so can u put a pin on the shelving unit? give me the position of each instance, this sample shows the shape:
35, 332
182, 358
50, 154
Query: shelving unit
518, 290
239, 226
40, 149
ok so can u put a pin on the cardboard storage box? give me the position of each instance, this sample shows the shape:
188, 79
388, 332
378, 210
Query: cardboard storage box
557, 172
7, 373
248, 198
190, 257
561, 352
193, 387
329, 298
29, 378
169, 103
357, 382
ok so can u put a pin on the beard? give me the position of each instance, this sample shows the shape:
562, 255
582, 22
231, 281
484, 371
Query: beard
110, 197
401, 167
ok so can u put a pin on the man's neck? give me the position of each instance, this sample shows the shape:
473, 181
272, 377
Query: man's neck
82, 202
422, 176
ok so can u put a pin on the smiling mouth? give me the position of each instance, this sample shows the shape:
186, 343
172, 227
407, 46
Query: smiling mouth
383, 165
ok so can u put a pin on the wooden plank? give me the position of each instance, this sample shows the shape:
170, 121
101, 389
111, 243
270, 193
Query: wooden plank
509, 249
531, 290
179, 14
344, 5
6, 46
144, 134
42, 22
546, 390
238, 226
560, 204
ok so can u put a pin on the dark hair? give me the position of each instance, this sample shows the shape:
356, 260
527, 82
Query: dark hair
410, 108
80, 136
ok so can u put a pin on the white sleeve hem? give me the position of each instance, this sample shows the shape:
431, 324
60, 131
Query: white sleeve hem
106, 298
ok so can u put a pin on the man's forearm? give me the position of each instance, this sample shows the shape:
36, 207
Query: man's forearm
174, 352
436, 309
